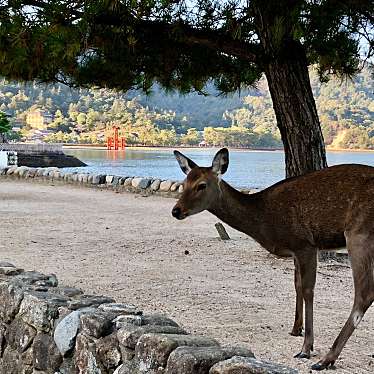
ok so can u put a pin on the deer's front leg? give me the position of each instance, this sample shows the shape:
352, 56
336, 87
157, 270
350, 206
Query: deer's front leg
298, 324
307, 261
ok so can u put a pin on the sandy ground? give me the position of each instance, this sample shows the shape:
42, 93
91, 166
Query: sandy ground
129, 247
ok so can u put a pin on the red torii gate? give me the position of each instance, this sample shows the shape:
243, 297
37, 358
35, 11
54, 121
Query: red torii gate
113, 142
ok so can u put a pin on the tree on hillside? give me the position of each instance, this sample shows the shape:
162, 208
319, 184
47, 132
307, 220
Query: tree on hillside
5, 127
184, 44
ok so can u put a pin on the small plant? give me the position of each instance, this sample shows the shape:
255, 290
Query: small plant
5, 126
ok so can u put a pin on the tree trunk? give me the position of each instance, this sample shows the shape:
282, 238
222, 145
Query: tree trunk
286, 69
296, 114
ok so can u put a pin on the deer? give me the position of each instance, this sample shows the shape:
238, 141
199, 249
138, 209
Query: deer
321, 210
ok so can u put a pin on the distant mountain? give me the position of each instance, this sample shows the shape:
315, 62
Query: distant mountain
346, 111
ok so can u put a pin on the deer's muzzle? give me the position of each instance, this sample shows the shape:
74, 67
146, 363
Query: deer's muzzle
177, 213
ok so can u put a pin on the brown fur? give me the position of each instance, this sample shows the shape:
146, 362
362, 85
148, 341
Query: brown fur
326, 209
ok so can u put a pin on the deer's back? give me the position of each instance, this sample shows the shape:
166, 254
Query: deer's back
320, 205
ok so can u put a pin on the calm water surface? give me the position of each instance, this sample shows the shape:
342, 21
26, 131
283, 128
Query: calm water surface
257, 169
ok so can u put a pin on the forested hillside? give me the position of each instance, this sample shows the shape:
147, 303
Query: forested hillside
61, 114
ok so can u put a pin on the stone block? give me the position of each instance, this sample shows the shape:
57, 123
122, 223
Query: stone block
12, 363
155, 185
68, 291
46, 172
39, 309
31, 173
56, 174
102, 179
66, 332
119, 308
174, 186
141, 320
198, 360
165, 185
152, 350
129, 335
129, 367
108, 351
181, 188
11, 170
157, 319
40, 172
11, 295
115, 181
85, 359
142, 183
46, 356
85, 301
246, 365
127, 320
20, 335
128, 182
10, 270
95, 179
22, 170
32, 277
96, 324
109, 179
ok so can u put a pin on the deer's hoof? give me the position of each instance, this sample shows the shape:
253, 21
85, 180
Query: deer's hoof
297, 332
302, 355
322, 365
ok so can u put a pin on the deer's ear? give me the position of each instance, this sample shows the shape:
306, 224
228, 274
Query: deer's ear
221, 161
184, 162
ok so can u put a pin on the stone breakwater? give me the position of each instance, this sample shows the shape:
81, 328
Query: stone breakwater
49, 328
142, 185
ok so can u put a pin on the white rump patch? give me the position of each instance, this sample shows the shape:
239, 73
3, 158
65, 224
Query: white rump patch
356, 318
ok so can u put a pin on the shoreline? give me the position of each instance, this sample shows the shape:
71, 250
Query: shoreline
140, 147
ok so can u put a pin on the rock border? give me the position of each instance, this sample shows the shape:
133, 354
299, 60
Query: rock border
47, 328
142, 185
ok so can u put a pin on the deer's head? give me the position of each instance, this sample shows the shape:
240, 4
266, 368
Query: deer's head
201, 187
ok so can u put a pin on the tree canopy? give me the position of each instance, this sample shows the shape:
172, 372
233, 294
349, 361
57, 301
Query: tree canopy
179, 44
182, 45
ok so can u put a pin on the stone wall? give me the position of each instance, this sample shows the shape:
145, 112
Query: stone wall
49, 328
142, 185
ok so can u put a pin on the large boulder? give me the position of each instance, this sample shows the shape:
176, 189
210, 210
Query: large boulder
165, 185
66, 332
247, 365
20, 335
198, 360
142, 183
46, 355
152, 350
40, 309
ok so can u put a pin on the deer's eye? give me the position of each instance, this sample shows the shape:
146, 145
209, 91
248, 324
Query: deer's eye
201, 186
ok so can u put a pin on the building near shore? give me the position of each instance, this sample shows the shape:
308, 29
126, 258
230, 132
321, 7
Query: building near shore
39, 118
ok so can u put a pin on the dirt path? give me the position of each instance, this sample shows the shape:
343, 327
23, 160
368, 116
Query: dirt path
129, 247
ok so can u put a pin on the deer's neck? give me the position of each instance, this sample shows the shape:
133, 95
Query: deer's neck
241, 211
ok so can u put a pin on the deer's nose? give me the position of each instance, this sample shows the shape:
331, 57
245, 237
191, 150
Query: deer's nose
176, 212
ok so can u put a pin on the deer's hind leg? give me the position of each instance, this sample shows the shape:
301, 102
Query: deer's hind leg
307, 262
361, 250
299, 310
